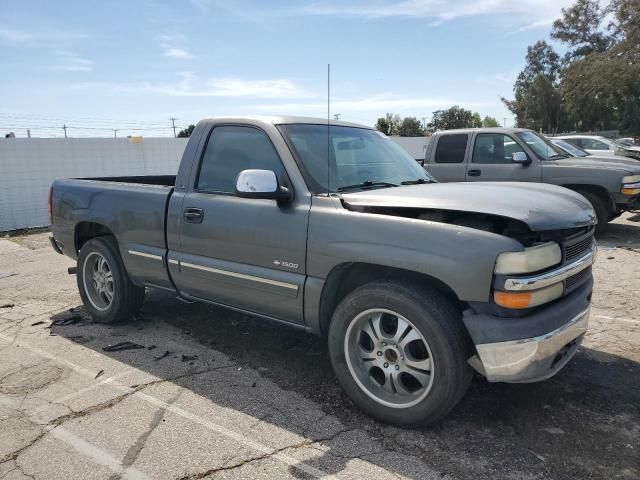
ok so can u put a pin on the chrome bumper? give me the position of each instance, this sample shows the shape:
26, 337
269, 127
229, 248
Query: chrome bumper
531, 359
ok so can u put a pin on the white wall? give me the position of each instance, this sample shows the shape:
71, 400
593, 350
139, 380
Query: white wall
416, 146
28, 166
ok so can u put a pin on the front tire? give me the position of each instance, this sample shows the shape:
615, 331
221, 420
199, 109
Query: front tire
400, 352
600, 208
105, 287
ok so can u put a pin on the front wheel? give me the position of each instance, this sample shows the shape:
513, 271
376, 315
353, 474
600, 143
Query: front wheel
600, 208
105, 287
400, 352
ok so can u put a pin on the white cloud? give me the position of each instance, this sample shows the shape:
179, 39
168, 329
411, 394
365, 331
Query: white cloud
13, 35
172, 46
190, 86
534, 13
70, 62
176, 52
38, 37
377, 103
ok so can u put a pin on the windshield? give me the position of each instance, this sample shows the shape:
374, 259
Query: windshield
571, 149
543, 148
359, 158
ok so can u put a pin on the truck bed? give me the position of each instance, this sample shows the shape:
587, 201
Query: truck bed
130, 208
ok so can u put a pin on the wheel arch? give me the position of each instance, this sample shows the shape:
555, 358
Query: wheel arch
346, 277
598, 190
85, 231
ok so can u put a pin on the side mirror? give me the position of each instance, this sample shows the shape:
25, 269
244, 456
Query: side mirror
521, 158
261, 184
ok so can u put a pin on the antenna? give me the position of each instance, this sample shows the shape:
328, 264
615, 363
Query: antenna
328, 129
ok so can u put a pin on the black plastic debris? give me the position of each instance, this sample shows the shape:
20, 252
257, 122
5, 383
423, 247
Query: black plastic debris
165, 354
152, 347
37, 323
117, 347
189, 358
7, 305
99, 374
73, 319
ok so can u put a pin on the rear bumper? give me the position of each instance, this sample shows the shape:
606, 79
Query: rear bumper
533, 347
57, 246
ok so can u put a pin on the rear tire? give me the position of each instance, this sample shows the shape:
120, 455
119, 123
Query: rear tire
400, 352
601, 209
105, 287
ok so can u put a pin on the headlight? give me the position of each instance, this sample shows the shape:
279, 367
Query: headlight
532, 259
529, 299
631, 185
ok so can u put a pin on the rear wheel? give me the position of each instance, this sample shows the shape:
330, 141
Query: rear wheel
400, 352
105, 287
600, 208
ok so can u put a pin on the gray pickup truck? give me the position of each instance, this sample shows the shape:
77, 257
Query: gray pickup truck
520, 155
336, 230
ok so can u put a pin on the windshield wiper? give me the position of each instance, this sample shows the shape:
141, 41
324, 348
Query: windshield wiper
366, 184
417, 181
559, 155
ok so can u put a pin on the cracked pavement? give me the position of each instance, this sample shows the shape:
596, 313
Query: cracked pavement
217, 394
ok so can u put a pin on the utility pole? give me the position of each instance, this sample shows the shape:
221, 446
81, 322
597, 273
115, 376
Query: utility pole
424, 123
173, 125
64, 127
115, 132
28, 133
337, 116
504, 124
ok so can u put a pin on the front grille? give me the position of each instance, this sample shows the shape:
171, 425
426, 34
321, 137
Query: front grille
578, 249
576, 280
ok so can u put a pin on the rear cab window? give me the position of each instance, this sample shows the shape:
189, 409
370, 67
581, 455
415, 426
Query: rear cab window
451, 148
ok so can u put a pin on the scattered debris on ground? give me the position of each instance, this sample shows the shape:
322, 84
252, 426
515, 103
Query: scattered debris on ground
118, 347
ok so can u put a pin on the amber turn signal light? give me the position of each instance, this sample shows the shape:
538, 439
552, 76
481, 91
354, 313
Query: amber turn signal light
512, 299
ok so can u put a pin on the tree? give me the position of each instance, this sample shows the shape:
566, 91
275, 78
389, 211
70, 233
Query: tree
490, 122
580, 27
389, 124
537, 99
454, 117
411, 127
187, 131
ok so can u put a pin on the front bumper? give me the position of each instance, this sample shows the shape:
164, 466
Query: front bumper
531, 359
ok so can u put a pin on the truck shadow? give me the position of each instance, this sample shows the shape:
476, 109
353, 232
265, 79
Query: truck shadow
558, 428
621, 233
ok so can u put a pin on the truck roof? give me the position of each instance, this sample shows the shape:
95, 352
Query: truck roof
485, 130
285, 119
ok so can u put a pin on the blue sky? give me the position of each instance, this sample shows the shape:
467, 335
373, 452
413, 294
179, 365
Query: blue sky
133, 65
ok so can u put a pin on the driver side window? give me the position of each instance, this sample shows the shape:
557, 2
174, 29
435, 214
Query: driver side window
494, 148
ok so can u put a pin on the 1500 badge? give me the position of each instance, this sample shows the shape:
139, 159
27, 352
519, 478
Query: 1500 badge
285, 264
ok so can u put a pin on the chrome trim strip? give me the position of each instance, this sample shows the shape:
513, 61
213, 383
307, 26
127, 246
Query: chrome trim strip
549, 278
174, 262
240, 275
146, 255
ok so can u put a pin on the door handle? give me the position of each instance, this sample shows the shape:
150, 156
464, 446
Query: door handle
474, 173
193, 215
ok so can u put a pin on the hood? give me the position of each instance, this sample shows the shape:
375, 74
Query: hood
541, 206
623, 164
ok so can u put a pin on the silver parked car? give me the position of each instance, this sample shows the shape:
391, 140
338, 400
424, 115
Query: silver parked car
599, 145
578, 152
